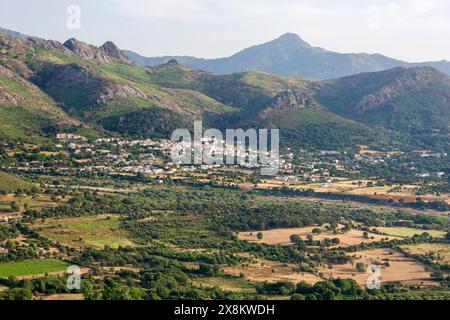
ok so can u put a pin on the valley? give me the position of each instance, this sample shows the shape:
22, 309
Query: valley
87, 180
106, 204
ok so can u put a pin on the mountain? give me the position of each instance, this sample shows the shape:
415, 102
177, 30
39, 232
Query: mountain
107, 53
289, 55
410, 100
48, 87
14, 34
326, 113
24, 108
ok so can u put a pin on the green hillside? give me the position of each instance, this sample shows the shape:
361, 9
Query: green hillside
25, 109
148, 123
10, 183
410, 100
46, 86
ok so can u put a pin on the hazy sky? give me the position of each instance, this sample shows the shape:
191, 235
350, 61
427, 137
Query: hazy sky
413, 30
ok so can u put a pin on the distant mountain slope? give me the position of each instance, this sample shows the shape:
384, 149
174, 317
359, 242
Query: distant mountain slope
47, 86
308, 112
290, 55
15, 34
410, 100
79, 81
24, 108
265, 100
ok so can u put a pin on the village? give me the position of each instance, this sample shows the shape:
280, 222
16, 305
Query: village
153, 157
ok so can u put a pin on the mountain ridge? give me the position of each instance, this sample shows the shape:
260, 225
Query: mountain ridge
290, 55
313, 62
91, 87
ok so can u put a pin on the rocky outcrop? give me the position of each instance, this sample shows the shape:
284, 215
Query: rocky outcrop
111, 50
291, 99
107, 53
12, 44
48, 45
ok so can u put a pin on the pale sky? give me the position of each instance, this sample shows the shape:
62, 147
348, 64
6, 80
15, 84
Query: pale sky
412, 30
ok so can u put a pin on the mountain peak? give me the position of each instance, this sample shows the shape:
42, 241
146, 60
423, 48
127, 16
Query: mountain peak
292, 37
107, 53
173, 62
72, 44
114, 52
290, 55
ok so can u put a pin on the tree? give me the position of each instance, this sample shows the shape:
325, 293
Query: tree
317, 231
438, 275
18, 294
298, 297
295, 238
336, 241
361, 267
208, 270
15, 206
303, 288
260, 236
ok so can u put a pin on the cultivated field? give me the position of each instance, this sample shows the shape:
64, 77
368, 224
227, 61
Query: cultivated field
410, 232
37, 202
93, 231
62, 297
406, 193
31, 267
282, 236
440, 253
264, 270
227, 283
403, 269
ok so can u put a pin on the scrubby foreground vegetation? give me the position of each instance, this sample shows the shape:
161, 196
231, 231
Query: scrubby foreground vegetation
184, 242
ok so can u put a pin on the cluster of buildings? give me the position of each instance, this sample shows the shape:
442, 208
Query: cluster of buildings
154, 157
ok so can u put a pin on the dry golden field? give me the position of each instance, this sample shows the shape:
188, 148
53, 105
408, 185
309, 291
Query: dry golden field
403, 269
356, 187
63, 297
440, 252
282, 236
227, 284
405, 232
264, 270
